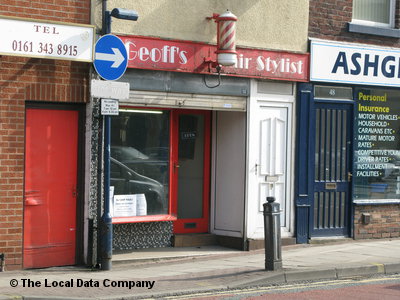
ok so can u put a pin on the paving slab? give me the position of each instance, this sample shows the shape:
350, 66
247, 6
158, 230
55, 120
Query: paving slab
201, 270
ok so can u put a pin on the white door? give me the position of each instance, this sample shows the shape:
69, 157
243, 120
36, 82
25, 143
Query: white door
269, 163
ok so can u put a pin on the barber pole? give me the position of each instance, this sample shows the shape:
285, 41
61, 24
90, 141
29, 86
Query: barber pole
226, 53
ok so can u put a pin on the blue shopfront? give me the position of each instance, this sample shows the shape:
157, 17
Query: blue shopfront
348, 146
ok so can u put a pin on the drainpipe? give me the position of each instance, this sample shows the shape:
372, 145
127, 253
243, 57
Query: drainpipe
103, 19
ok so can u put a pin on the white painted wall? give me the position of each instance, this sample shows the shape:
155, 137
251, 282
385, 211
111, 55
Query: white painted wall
228, 173
266, 24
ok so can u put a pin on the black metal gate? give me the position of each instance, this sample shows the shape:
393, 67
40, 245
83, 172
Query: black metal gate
332, 174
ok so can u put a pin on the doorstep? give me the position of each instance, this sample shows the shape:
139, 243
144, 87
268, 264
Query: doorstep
194, 240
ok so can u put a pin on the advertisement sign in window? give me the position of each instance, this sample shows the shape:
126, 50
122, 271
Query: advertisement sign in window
377, 154
124, 206
129, 205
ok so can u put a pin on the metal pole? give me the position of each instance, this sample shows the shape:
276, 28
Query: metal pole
100, 189
272, 235
107, 21
106, 230
104, 19
107, 227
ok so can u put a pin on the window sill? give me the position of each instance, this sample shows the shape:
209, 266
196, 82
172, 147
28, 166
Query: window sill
376, 201
155, 218
387, 32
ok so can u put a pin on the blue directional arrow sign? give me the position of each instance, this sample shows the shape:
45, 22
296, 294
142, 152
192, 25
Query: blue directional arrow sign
111, 58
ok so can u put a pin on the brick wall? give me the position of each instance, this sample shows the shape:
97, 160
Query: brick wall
385, 221
329, 20
23, 79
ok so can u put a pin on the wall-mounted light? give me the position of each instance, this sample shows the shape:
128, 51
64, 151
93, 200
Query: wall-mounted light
124, 14
118, 13
226, 32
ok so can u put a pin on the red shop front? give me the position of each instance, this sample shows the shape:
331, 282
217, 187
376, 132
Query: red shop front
178, 146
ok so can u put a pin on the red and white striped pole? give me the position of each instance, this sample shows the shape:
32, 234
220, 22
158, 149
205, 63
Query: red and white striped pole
226, 53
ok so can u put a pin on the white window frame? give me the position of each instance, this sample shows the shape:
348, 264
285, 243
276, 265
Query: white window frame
377, 24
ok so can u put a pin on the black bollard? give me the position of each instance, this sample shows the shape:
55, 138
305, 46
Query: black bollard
272, 235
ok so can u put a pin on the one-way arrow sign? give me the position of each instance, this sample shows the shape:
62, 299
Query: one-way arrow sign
111, 58
117, 58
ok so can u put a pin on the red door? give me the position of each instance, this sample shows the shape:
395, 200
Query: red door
191, 170
50, 187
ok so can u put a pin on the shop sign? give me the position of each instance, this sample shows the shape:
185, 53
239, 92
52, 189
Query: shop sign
32, 38
355, 64
157, 54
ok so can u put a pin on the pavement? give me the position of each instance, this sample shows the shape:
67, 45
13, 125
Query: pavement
159, 273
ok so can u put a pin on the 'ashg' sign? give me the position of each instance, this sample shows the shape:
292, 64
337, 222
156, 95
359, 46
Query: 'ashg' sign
355, 64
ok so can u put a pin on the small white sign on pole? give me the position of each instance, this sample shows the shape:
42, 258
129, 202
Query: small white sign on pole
109, 107
109, 89
35, 38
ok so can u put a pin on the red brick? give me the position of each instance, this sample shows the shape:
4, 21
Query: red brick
36, 79
329, 20
385, 222
12, 267
14, 243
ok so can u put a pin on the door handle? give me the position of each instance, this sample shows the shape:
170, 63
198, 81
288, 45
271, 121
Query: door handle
32, 202
349, 176
32, 198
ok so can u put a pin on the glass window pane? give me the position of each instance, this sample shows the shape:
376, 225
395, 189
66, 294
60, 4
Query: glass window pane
191, 165
328, 147
372, 10
140, 159
317, 144
377, 157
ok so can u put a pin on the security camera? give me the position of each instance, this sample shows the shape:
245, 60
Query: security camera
126, 14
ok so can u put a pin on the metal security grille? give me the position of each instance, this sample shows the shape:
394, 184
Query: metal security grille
332, 172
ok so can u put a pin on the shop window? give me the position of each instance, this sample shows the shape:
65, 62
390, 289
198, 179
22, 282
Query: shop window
377, 154
374, 17
140, 147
